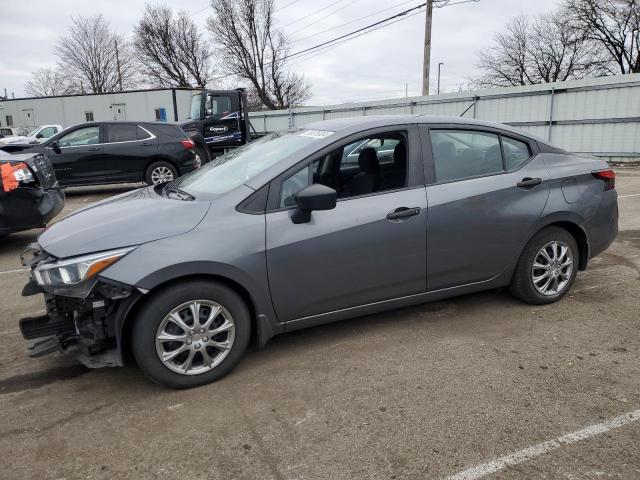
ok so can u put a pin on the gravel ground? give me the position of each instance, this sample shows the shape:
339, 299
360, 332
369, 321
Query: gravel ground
423, 392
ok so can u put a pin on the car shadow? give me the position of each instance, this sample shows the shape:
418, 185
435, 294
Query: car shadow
16, 242
101, 189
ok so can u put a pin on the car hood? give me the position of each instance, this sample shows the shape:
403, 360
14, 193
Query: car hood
18, 139
128, 219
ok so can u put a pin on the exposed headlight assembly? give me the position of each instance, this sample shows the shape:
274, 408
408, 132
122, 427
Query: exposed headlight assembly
15, 175
73, 271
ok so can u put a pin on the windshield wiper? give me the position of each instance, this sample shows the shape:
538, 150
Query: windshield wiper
181, 194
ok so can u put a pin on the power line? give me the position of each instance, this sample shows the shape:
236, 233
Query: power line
287, 5
199, 11
323, 18
353, 21
313, 13
401, 14
322, 50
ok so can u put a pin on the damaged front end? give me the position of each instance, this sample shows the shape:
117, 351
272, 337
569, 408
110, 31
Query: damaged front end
83, 310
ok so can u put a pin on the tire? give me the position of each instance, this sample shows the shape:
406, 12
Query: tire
560, 278
160, 172
203, 152
153, 321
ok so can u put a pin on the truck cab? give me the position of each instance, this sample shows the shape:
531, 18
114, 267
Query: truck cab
217, 122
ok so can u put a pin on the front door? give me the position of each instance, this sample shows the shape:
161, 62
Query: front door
222, 120
371, 247
78, 156
479, 218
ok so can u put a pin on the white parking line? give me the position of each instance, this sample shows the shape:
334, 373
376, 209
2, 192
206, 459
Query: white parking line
632, 195
15, 271
529, 453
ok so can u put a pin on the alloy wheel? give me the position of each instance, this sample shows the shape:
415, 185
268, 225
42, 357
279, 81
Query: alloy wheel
195, 337
161, 174
552, 268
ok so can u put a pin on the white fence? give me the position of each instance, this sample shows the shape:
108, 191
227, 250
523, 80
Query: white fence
600, 116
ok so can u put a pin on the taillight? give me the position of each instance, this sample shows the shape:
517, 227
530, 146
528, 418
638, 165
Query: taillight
14, 175
608, 177
188, 144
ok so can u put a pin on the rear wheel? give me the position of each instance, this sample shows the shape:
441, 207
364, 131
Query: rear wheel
547, 267
191, 334
160, 172
202, 153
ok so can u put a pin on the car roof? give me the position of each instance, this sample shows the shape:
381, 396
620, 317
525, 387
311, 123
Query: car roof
375, 121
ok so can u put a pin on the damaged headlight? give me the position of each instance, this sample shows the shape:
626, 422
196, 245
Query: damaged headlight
76, 270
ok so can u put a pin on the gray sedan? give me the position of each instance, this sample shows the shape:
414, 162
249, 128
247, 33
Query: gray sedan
315, 224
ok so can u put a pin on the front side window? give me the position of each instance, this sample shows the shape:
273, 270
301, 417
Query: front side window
242, 164
217, 105
121, 133
47, 132
516, 153
82, 136
296, 182
459, 154
363, 167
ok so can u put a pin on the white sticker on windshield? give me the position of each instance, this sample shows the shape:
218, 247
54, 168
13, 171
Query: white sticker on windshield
316, 133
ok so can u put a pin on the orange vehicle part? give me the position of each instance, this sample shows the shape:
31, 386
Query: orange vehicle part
9, 182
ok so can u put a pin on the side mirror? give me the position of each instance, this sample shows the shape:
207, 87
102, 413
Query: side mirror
39, 135
55, 147
313, 197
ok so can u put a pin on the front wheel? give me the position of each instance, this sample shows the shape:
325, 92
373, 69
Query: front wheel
191, 334
547, 267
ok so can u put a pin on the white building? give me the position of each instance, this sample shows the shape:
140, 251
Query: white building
169, 105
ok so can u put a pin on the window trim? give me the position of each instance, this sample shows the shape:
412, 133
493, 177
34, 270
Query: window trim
102, 136
415, 174
75, 130
429, 160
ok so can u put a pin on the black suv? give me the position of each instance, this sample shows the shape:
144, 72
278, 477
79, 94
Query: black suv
114, 152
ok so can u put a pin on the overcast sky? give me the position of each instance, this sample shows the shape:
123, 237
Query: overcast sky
374, 66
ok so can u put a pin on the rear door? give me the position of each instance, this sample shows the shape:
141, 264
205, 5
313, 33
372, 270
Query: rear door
486, 192
78, 156
127, 150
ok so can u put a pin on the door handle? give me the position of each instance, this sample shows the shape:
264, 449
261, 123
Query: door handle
403, 213
146, 144
529, 182
93, 149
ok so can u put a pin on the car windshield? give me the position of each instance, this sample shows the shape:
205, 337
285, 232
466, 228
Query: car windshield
237, 167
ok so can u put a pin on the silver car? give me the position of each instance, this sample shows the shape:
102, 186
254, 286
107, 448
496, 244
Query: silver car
295, 230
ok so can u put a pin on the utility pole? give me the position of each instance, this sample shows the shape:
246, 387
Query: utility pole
118, 66
439, 67
427, 49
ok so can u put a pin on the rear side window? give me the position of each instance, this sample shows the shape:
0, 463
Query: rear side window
516, 153
141, 133
121, 133
460, 154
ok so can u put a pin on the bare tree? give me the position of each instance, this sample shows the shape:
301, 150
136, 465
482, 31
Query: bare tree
47, 82
251, 47
612, 24
542, 50
506, 64
171, 49
94, 55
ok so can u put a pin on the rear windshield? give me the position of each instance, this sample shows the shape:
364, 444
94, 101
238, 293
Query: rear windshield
237, 167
